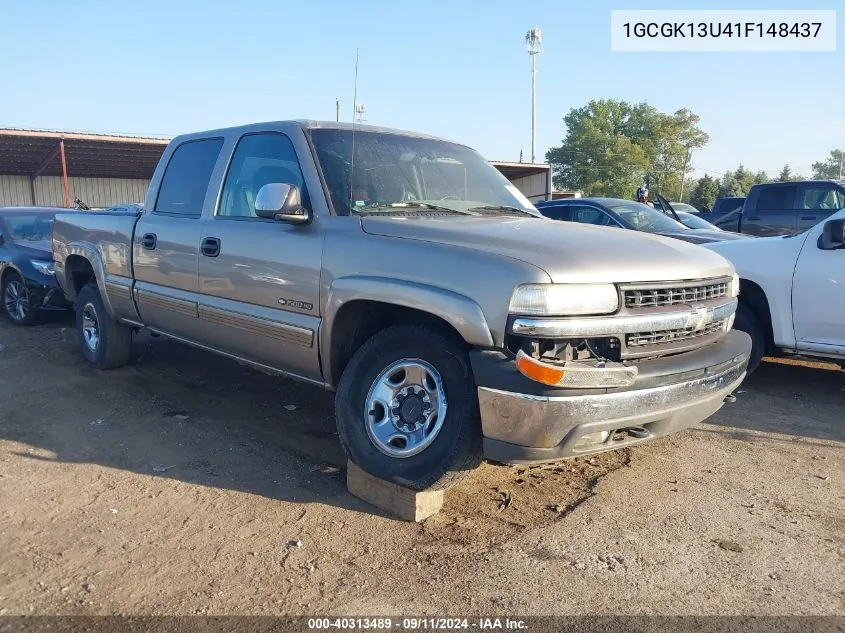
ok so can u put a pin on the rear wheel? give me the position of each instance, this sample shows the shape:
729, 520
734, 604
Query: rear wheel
407, 409
17, 302
746, 321
105, 343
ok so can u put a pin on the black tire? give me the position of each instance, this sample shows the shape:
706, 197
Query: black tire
456, 449
746, 321
113, 346
12, 281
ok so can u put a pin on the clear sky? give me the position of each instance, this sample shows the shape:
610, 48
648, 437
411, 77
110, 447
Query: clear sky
456, 69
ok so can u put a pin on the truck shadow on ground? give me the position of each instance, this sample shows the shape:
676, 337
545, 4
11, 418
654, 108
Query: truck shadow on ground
175, 412
805, 400
184, 415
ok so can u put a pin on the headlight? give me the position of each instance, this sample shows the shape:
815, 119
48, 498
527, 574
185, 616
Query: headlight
45, 268
564, 299
735, 285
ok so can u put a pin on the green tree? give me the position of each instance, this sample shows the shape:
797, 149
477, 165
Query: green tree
597, 156
737, 183
611, 147
833, 166
786, 175
704, 193
672, 139
690, 184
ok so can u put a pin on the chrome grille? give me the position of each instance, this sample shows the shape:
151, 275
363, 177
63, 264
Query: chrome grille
668, 296
640, 339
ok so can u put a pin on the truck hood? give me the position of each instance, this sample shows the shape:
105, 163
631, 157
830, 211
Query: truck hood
567, 251
704, 236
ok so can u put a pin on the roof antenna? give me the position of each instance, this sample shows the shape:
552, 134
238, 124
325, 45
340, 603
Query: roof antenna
354, 106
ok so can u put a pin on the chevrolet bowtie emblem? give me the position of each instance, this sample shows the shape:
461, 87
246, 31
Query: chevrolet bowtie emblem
700, 318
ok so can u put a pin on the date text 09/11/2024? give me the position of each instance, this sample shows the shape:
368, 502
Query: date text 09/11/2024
423, 624
718, 29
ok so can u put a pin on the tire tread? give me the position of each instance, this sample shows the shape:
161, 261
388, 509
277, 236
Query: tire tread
466, 452
115, 337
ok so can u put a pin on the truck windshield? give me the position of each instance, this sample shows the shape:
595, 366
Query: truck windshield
395, 173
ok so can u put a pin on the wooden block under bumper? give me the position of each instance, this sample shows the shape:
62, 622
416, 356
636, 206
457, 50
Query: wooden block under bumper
401, 502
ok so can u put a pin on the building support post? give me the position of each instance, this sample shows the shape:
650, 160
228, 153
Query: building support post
64, 173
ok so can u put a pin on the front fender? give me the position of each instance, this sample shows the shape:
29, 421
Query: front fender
461, 312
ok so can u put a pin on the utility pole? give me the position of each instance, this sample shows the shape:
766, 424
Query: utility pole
337, 109
533, 40
841, 156
684, 174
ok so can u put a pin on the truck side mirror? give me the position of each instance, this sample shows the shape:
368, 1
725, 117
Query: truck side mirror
833, 235
281, 202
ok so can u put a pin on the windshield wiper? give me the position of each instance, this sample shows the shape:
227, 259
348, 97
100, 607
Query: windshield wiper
502, 207
373, 209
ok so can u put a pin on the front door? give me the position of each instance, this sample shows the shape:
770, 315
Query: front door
164, 248
259, 279
818, 300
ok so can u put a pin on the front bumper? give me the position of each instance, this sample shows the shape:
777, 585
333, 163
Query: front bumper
48, 297
525, 422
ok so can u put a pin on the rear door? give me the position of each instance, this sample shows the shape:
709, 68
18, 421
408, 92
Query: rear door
773, 211
818, 201
167, 237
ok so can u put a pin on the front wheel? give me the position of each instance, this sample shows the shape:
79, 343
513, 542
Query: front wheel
407, 409
17, 302
105, 343
746, 321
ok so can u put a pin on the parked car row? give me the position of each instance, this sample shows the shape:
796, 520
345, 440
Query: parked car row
453, 319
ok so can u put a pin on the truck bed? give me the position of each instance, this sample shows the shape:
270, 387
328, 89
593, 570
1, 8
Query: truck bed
106, 234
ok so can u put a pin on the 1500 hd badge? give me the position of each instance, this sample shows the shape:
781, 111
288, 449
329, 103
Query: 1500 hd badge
297, 305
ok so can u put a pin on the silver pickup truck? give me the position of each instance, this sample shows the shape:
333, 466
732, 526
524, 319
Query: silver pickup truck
406, 274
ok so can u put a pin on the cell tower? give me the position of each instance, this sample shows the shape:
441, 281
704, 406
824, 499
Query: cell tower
360, 113
534, 41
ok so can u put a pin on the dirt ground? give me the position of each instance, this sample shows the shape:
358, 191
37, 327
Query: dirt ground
188, 484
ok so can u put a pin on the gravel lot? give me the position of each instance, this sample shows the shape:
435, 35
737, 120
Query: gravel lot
187, 484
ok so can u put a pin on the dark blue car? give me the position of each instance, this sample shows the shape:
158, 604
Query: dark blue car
627, 214
27, 282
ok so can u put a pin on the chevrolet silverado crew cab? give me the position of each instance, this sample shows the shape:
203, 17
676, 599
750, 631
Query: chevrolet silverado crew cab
791, 291
405, 273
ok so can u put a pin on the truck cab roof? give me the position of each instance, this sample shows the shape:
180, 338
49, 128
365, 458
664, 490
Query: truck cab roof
304, 125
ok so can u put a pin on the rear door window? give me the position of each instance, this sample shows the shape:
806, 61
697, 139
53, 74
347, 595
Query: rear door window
823, 198
186, 178
592, 215
558, 212
776, 199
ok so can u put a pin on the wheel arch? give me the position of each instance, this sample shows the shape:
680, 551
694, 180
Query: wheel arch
10, 268
358, 308
752, 296
81, 265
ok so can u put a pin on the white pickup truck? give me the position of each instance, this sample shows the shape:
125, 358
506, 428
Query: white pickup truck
792, 291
